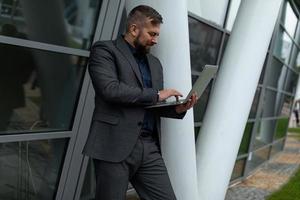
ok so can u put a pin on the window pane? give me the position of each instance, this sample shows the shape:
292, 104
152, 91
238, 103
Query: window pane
255, 103
276, 75
286, 106
264, 134
246, 138
212, 10
238, 169
38, 89
31, 170
258, 157
289, 19
67, 23
277, 147
271, 103
282, 46
204, 44
291, 81
281, 128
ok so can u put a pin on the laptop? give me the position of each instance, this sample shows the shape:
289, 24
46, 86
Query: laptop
199, 86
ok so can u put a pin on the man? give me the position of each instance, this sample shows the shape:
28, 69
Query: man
124, 136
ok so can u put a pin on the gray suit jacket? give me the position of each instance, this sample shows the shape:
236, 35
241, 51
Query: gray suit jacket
120, 100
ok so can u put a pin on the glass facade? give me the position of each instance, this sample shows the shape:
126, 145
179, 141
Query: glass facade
45, 91
69, 23
31, 169
44, 47
272, 103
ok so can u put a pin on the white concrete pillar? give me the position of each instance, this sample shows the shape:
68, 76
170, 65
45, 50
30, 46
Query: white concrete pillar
232, 96
178, 142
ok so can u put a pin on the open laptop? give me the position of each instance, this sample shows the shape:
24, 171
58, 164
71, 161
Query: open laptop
199, 86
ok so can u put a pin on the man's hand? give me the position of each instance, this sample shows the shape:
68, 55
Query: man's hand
166, 93
184, 107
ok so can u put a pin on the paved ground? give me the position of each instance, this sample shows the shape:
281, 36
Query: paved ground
270, 176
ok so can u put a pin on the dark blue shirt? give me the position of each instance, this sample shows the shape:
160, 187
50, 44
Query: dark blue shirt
149, 119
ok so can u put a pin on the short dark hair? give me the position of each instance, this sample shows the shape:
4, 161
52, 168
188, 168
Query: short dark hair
141, 13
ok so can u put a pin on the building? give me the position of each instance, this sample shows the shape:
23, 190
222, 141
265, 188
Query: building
46, 99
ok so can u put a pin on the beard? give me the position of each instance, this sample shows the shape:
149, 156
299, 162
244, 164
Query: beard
140, 48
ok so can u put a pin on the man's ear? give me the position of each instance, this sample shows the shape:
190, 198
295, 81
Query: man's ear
133, 29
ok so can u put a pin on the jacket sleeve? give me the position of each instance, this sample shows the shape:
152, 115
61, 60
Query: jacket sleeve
104, 74
168, 112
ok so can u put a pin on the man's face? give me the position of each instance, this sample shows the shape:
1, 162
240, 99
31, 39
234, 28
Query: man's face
147, 37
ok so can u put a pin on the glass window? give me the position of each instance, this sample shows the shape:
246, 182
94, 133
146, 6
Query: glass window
204, 44
38, 89
277, 147
289, 19
281, 128
271, 103
286, 106
212, 10
283, 45
68, 23
246, 138
264, 134
276, 75
291, 81
238, 169
255, 103
31, 170
258, 157
200, 107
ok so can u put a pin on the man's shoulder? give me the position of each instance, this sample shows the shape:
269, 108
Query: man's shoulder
104, 43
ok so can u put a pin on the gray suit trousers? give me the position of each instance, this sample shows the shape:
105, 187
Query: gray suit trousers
144, 168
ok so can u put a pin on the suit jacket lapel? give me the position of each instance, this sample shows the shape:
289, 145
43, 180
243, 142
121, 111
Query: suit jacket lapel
124, 49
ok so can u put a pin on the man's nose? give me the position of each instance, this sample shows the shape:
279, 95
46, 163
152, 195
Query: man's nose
154, 40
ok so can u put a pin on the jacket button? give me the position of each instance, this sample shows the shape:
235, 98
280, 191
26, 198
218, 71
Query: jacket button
140, 123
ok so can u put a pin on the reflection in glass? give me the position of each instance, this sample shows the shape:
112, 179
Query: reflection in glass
283, 45
255, 103
277, 147
238, 169
38, 89
246, 138
276, 75
67, 23
200, 107
289, 19
204, 44
286, 106
281, 128
271, 103
264, 134
291, 81
31, 170
258, 157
